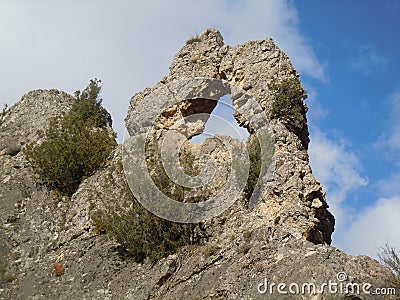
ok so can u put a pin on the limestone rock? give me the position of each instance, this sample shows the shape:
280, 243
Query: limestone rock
30, 115
252, 66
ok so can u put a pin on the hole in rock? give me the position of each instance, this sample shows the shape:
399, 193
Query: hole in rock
221, 122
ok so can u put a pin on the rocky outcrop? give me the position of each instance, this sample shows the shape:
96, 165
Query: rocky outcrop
27, 119
54, 249
295, 199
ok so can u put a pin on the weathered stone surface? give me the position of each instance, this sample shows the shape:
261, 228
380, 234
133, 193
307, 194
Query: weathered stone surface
283, 239
20, 126
251, 66
32, 113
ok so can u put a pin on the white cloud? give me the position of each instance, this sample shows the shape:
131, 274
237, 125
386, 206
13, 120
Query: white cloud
390, 144
374, 227
128, 44
378, 224
316, 111
222, 122
393, 135
368, 60
391, 185
337, 168
277, 19
216, 125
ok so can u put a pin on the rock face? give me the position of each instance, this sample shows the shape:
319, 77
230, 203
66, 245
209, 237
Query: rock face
296, 199
54, 249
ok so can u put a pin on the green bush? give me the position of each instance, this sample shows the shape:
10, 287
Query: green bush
254, 150
189, 164
140, 233
76, 145
288, 103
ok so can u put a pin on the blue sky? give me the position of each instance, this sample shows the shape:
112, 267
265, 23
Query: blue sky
355, 42
222, 121
348, 54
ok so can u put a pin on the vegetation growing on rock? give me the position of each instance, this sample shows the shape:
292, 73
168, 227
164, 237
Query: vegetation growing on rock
254, 150
288, 105
76, 145
140, 233
189, 164
390, 257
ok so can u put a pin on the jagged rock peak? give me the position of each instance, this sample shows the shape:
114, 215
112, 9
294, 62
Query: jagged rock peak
23, 120
295, 199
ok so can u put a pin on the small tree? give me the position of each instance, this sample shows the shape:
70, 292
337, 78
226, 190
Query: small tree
288, 105
254, 150
390, 257
76, 145
140, 233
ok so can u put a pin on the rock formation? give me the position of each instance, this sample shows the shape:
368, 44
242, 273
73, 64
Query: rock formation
54, 250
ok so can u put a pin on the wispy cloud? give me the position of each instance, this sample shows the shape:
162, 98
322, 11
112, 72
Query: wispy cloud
128, 44
391, 185
335, 165
338, 170
378, 224
389, 144
389, 141
316, 111
368, 60
393, 134
374, 227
